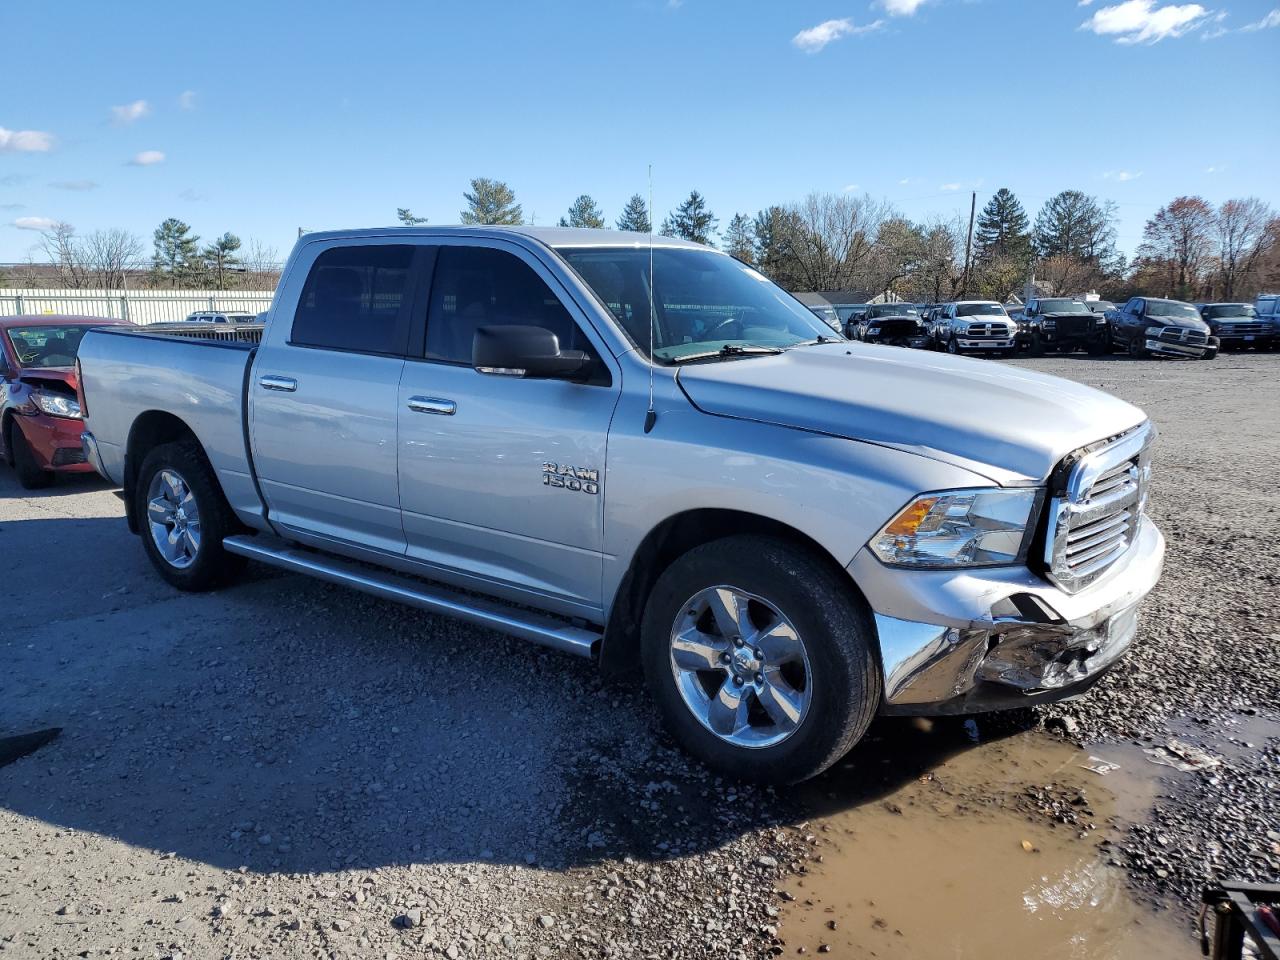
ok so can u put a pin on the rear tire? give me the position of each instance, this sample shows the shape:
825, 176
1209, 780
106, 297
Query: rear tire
1097, 348
184, 516
31, 475
778, 617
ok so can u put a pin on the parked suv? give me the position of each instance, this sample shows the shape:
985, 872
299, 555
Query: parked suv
781, 533
1268, 309
1147, 326
1064, 324
1238, 326
972, 326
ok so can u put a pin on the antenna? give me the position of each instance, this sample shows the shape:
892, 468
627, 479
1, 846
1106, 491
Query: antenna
651, 415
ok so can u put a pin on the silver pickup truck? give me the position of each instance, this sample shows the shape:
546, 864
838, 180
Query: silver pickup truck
644, 452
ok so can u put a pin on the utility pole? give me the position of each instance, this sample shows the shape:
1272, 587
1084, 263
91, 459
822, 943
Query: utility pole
968, 244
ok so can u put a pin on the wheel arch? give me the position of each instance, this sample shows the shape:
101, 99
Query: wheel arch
674, 536
149, 430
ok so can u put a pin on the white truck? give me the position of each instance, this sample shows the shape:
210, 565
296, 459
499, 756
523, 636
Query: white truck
640, 450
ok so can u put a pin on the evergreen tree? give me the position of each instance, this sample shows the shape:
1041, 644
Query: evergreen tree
635, 215
177, 251
1073, 224
691, 220
584, 213
404, 215
491, 202
739, 239
220, 255
774, 229
1003, 229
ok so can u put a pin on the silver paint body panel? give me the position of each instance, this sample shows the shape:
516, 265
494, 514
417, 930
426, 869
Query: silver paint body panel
831, 440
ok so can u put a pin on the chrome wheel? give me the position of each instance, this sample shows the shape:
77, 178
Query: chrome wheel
741, 667
173, 518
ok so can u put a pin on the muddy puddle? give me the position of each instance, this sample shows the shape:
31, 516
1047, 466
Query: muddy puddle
983, 848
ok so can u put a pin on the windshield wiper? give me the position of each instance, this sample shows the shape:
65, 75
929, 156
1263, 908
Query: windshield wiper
817, 340
728, 350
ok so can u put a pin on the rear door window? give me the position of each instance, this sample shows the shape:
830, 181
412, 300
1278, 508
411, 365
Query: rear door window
473, 287
357, 299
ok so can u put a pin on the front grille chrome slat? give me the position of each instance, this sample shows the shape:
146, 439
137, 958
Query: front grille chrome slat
1094, 519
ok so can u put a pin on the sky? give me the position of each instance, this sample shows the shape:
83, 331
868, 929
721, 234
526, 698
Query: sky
263, 118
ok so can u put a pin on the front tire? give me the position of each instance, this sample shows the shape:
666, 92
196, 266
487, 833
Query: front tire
1136, 350
31, 475
184, 517
759, 656
952, 346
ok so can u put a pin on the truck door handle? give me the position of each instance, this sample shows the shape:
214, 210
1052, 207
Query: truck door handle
285, 384
445, 408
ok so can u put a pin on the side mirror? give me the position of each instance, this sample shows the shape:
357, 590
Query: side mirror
524, 351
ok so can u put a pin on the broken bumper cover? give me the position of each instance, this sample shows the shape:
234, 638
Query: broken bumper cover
969, 641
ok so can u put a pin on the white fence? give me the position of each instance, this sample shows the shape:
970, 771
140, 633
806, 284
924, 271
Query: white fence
139, 306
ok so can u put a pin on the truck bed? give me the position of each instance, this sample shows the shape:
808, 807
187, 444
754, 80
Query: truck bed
194, 372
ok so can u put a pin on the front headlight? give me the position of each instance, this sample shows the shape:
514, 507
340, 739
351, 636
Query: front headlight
1154, 331
873, 330
960, 528
56, 404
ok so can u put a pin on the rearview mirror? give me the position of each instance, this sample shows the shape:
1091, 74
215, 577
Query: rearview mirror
525, 351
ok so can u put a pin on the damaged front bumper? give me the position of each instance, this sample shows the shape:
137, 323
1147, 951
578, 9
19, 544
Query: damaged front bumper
969, 641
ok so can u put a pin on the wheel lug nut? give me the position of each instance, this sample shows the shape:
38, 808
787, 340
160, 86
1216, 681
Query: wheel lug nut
737, 641
759, 678
725, 658
737, 680
757, 654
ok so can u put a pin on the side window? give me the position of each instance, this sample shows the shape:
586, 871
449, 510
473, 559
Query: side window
475, 287
357, 299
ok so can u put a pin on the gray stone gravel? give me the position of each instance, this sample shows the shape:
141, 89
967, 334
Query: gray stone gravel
287, 769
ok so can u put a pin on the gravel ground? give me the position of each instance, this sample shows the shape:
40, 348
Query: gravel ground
287, 769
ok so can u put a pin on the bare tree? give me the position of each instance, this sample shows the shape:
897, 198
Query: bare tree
1243, 238
62, 250
108, 254
831, 238
262, 261
1179, 239
937, 276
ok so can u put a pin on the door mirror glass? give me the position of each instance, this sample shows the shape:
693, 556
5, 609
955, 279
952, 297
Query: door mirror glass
526, 351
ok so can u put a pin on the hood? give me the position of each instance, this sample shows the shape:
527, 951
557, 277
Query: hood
1178, 323
1006, 423
37, 376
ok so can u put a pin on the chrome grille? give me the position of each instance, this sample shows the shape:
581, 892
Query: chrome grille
996, 330
1183, 335
1247, 329
1094, 517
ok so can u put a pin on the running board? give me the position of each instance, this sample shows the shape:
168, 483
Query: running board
525, 624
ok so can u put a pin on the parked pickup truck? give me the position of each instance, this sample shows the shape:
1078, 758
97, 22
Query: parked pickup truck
782, 532
1147, 326
976, 325
1064, 324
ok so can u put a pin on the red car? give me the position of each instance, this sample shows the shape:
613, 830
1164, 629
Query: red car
40, 423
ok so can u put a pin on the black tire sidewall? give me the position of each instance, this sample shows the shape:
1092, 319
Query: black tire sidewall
838, 639
212, 565
31, 475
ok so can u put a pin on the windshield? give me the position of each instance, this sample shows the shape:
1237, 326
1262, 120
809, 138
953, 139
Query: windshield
980, 310
893, 310
1231, 310
1063, 306
704, 301
1101, 306
47, 346
1171, 308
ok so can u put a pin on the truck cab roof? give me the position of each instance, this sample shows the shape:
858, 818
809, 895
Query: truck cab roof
548, 236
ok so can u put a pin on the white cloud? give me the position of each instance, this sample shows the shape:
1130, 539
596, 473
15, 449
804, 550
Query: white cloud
1272, 19
902, 8
1121, 176
130, 112
904, 181
25, 141
147, 158
187, 100
1215, 168
1142, 21
850, 188
815, 38
949, 187
35, 223
74, 185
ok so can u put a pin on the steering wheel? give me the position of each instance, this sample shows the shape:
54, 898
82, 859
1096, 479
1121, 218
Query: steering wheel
26, 358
